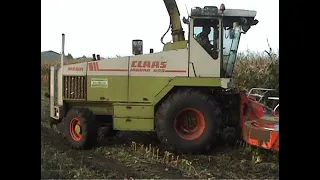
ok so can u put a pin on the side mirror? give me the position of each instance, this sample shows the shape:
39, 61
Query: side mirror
185, 20
246, 28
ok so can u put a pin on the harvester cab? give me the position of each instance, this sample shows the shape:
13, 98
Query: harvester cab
216, 48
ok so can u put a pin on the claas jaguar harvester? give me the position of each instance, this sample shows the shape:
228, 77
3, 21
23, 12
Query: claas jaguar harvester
183, 93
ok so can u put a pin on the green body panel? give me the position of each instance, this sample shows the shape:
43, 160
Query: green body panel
175, 45
137, 117
98, 108
133, 110
187, 81
133, 124
196, 81
144, 89
153, 89
116, 91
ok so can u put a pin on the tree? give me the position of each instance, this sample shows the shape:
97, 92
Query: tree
69, 56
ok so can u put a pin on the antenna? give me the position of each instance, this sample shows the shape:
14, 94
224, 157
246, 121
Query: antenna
186, 8
62, 50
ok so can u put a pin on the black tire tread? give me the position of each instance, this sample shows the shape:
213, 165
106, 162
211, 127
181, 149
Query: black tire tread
89, 127
172, 100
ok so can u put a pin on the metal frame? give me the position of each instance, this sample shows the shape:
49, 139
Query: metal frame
260, 96
277, 99
56, 73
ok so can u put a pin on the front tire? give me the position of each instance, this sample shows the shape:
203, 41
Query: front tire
81, 128
188, 121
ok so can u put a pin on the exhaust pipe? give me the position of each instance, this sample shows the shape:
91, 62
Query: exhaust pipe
47, 95
62, 50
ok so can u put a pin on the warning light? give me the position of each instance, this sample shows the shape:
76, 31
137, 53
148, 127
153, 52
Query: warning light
222, 7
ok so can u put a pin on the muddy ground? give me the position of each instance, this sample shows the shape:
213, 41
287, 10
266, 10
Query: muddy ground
139, 155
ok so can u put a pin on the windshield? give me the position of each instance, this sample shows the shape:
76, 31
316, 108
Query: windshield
230, 46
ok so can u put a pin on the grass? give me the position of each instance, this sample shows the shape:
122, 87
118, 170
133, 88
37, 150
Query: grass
138, 155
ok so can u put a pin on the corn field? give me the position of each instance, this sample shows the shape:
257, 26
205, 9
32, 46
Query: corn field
257, 70
251, 70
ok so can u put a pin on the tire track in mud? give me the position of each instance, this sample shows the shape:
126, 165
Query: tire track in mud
98, 162
91, 159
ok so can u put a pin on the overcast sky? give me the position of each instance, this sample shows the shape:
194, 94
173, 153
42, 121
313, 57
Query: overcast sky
107, 27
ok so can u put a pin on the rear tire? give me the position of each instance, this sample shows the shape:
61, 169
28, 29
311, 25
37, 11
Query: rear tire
81, 128
171, 126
